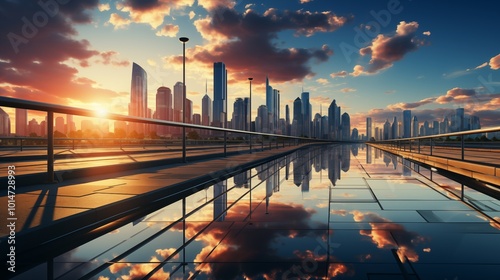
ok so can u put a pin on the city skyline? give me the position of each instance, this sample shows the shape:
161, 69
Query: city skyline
375, 60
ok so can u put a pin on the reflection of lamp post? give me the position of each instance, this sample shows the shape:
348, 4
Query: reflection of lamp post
183, 40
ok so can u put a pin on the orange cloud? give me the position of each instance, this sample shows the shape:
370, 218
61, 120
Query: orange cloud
495, 62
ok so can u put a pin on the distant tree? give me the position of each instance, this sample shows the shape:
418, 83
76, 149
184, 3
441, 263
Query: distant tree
58, 134
484, 138
33, 134
193, 135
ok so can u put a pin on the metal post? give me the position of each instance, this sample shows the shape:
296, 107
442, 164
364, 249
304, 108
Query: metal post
50, 146
225, 143
250, 113
462, 146
262, 143
418, 143
21, 144
431, 145
183, 40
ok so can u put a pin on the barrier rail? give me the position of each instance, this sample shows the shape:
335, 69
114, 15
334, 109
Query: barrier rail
50, 109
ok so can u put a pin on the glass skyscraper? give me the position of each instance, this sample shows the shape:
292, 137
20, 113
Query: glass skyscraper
138, 106
220, 95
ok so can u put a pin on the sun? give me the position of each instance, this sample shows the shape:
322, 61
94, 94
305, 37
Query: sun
100, 111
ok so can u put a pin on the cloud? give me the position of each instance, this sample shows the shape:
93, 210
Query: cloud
427, 33
168, 30
322, 81
24, 70
151, 12
412, 105
341, 74
385, 50
107, 59
481, 66
456, 95
118, 21
347, 90
245, 42
495, 62
320, 100
192, 14
103, 7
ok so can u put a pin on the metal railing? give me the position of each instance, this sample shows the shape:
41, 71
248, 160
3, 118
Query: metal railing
265, 138
467, 145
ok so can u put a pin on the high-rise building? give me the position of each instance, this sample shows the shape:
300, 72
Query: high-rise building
70, 124
238, 119
138, 106
60, 127
334, 120
306, 113
355, 134
220, 95
4, 123
415, 127
206, 110
406, 123
262, 119
178, 99
287, 120
163, 108
368, 128
394, 129
387, 130
21, 122
297, 122
34, 127
189, 110
346, 127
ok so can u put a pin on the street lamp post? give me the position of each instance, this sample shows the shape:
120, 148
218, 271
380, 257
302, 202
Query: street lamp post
250, 113
183, 40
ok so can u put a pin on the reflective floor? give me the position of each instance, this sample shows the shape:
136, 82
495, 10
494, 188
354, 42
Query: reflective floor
341, 212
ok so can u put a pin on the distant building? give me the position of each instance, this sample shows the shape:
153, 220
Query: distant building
415, 127
4, 123
406, 123
206, 110
368, 128
163, 109
346, 127
138, 106
21, 122
220, 95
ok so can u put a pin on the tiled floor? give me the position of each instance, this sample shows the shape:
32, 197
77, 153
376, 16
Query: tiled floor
338, 212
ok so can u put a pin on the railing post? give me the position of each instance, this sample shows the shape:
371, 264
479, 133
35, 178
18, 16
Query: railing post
431, 145
21, 144
262, 143
250, 142
73, 144
225, 143
410, 145
50, 146
418, 143
462, 147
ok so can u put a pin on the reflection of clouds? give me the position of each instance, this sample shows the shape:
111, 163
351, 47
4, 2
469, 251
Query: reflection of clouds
255, 242
139, 271
165, 253
382, 231
495, 223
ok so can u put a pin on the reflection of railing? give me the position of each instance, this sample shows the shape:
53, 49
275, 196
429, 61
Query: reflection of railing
257, 137
464, 145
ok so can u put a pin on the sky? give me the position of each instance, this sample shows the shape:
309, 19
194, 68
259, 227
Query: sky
375, 58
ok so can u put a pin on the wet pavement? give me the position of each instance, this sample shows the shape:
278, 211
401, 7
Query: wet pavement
332, 212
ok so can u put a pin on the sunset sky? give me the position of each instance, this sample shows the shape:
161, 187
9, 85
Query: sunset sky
375, 58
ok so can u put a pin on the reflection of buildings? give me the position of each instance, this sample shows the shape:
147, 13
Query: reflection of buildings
241, 179
369, 154
220, 201
406, 167
339, 158
346, 157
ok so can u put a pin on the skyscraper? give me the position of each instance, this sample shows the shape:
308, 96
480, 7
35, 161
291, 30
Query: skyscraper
346, 127
297, 117
368, 128
262, 120
334, 120
178, 97
415, 127
21, 122
60, 125
163, 108
306, 113
238, 119
4, 123
220, 94
138, 106
70, 124
387, 130
206, 110
394, 129
406, 123
270, 103
287, 120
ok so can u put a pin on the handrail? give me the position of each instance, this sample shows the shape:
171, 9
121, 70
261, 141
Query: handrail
451, 134
62, 109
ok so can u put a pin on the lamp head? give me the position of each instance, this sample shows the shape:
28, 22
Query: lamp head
184, 39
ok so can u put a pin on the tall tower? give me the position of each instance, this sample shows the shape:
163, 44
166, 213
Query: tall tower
220, 95
287, 120
270, 104
406, 123
307, 115
4, 123
163, 108
368, 128
415, 127
297, 121
206, 110
346, 127
178, 96
138, 106
22, 122
334, 120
